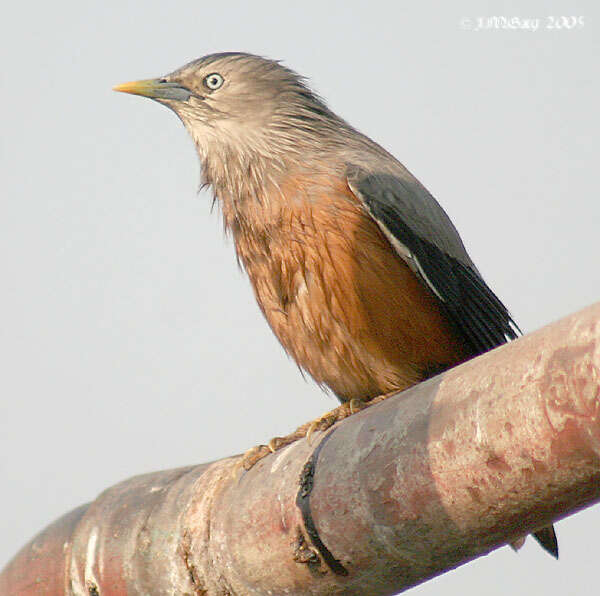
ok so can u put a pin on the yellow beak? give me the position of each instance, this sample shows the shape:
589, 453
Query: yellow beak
156, 89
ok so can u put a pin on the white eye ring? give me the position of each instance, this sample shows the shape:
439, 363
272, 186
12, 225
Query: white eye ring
213, 81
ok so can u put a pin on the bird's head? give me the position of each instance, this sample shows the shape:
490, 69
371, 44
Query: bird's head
236, 104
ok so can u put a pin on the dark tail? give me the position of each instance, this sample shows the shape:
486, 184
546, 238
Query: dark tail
547, 539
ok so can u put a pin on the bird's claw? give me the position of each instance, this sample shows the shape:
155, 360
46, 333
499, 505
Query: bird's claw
254, 455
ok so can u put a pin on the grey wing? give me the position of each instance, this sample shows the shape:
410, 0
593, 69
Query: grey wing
423, 235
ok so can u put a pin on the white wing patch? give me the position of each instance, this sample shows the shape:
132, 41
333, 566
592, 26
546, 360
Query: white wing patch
409, 258
402, 250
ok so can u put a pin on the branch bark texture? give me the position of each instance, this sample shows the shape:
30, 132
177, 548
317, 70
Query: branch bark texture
400, 492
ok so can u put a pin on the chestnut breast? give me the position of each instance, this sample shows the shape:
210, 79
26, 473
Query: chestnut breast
340, 300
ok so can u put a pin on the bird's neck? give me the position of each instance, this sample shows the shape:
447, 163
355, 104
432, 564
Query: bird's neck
247, 169
240, 179
249, 183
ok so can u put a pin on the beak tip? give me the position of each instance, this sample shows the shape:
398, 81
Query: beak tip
124, 87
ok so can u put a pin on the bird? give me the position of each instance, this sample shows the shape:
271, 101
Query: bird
356, 267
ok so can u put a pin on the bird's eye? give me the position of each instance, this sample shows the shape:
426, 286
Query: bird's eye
213, 81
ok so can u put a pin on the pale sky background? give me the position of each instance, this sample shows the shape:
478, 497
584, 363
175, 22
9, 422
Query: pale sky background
130, 340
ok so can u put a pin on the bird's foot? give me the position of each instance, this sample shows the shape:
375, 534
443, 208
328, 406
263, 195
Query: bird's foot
254, 455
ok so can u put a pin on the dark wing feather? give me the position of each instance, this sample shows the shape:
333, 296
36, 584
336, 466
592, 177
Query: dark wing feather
423, 235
